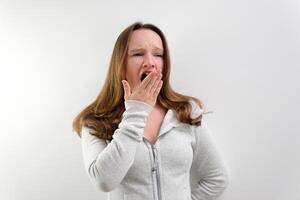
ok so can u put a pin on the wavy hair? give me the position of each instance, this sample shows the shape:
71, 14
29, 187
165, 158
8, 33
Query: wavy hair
104, 114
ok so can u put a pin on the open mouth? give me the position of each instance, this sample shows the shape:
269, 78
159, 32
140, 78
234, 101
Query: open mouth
144, 75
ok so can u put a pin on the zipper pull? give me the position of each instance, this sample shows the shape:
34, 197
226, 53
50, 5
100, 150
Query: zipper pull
153, 169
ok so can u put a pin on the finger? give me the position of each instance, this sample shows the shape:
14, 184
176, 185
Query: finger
158, 88
146, 81
126, 88
155, 85
152, 82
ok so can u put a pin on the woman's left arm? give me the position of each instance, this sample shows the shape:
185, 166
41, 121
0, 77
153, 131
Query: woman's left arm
209, 176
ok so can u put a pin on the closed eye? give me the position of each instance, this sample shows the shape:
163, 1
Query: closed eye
140, 54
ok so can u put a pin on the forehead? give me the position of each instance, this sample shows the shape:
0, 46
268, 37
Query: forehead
144, 38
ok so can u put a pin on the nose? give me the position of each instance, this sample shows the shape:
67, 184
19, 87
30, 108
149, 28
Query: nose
149, 62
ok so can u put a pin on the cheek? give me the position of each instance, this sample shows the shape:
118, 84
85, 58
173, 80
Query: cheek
135, 61
160, 64
159, 61
132, 70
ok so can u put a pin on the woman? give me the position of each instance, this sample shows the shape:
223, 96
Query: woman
140, 139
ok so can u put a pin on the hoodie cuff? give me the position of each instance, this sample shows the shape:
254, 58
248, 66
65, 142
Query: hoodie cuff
137, 106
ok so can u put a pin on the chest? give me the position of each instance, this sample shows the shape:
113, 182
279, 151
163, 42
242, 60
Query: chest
152, 127
173, 153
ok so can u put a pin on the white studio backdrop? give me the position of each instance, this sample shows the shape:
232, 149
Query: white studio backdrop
240, 57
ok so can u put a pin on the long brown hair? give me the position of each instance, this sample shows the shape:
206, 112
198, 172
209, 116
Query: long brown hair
104, 114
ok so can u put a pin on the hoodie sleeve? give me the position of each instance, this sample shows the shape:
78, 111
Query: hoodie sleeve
106, 163
209, 175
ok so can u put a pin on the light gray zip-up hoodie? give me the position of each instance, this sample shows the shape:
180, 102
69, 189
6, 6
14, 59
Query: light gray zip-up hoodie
183, 164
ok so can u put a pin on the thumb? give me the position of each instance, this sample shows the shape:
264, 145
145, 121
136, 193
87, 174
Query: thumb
126, 87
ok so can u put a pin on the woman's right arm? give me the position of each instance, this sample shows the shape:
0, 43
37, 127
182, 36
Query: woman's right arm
107, 164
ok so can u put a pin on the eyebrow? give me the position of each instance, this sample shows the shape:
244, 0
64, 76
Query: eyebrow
139, 49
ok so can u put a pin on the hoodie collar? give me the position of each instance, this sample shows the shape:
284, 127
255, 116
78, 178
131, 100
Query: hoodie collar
170, 121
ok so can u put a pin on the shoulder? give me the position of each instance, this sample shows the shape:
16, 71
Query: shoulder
200, 133
86, 130
196, 110
88, 134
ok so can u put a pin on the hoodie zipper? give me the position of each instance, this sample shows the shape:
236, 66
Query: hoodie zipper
156, 169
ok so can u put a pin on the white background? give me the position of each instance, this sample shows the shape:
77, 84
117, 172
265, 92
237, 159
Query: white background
240, 57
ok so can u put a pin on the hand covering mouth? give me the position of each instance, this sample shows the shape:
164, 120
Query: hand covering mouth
144, 75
